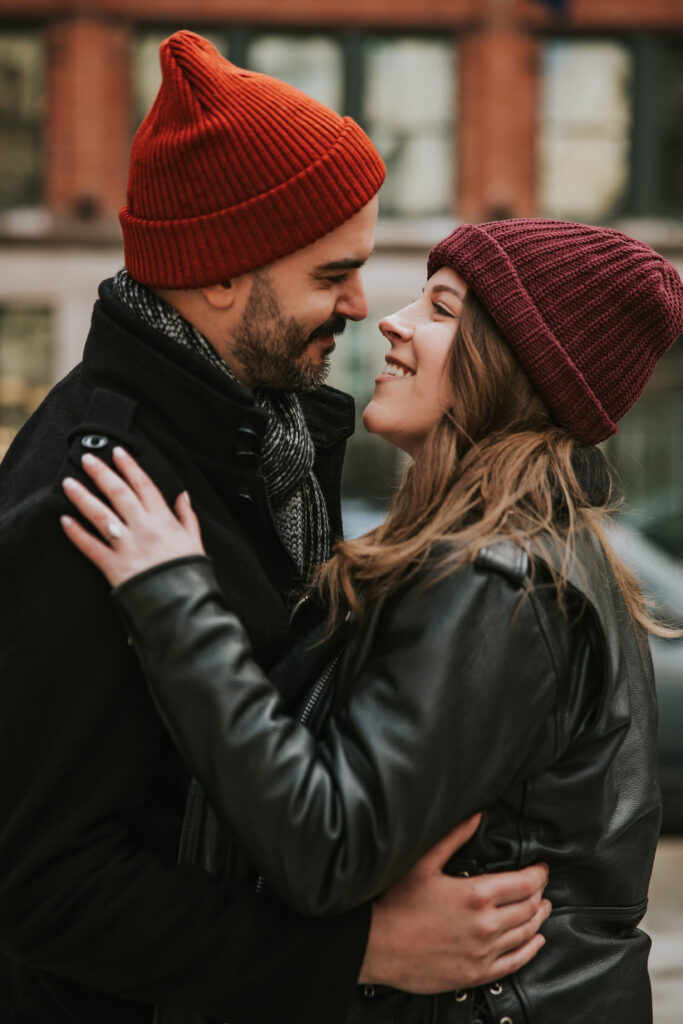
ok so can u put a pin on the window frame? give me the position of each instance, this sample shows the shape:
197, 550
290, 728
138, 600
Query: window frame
643, 196
33, 196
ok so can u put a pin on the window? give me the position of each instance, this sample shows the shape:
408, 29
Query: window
313, 64
26, 365
585, 129
408, 111
21, 110
658, 148
401, 89
671, 93
611, 128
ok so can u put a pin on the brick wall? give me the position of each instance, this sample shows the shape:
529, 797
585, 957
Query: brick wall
88, 117
496, 144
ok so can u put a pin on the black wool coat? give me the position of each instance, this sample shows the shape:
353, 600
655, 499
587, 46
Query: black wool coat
97, 918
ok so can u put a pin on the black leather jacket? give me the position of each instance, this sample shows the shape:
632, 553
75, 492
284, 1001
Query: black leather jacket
475, 692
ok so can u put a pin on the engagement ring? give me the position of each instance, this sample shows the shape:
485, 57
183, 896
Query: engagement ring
114, 529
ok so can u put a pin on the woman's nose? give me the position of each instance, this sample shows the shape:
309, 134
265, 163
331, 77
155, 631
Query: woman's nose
395, 328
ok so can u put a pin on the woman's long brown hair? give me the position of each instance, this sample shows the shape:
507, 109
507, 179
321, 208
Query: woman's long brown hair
495, 467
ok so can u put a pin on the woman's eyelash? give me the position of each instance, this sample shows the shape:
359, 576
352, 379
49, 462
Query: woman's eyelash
438, 308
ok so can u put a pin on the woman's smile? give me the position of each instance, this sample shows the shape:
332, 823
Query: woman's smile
395, 369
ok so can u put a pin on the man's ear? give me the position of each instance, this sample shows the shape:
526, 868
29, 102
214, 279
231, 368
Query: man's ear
219, 296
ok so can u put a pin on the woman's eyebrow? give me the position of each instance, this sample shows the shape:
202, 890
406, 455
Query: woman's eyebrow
458, 292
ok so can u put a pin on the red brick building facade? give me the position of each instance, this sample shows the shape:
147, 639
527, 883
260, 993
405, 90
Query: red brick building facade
89, 78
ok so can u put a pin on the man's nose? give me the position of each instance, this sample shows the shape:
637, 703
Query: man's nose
352, 303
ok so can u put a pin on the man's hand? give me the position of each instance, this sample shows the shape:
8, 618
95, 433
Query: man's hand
433, 933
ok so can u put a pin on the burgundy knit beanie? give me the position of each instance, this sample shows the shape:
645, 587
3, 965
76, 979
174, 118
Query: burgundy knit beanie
231, 170
588, 311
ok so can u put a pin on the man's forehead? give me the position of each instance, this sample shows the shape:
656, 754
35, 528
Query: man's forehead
344, 249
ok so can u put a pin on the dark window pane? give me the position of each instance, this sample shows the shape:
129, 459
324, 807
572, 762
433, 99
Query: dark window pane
21, 111
26, 365
672, 124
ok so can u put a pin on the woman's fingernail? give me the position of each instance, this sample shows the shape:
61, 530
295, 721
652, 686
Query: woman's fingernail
186, 496
119, 451
68, 483
88, 459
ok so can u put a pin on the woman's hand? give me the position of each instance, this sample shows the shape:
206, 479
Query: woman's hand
139, 529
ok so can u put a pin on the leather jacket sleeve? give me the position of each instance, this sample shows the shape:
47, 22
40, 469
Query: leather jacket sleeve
455, 685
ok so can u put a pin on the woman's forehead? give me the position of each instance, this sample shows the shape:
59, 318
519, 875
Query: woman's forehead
446, 278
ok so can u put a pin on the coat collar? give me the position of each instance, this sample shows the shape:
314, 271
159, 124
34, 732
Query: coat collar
210, 412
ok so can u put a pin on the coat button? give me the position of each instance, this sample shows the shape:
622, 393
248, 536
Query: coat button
245, 431
246, 459
460, 995
505, 1020
250, 440
94, 441
496, 989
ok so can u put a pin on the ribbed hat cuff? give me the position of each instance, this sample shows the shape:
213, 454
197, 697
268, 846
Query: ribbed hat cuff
486, 268
199, 251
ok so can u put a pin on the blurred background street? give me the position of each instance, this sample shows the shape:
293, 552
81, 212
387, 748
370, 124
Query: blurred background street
664, 922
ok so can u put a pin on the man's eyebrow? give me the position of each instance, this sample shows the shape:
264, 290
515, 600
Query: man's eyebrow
346, 264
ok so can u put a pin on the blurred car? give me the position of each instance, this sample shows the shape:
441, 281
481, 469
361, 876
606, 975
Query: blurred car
659, 517
661, 577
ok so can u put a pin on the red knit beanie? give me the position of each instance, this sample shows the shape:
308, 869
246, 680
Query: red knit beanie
231, 170
588, 311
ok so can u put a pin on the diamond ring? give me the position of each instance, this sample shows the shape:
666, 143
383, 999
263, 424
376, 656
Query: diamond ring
114, 529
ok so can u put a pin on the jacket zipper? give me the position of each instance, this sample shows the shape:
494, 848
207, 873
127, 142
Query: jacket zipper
313, 699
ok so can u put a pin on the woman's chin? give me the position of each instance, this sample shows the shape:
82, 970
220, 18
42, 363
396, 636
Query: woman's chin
372, 421
376, 425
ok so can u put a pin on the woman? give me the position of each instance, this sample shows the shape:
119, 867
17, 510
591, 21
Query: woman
482, 649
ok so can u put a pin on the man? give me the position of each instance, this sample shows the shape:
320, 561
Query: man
250, 212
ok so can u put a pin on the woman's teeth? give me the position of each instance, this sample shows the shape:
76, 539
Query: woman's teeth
398, 371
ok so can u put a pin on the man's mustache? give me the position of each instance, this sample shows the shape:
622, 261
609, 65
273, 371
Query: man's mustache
335, 325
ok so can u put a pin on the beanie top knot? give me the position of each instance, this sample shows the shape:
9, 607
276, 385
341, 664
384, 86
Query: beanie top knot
232, 169
587, 310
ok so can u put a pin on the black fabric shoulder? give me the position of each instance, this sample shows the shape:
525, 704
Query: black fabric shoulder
330, 415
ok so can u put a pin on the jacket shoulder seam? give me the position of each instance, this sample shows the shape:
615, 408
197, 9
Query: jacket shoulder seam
507, 559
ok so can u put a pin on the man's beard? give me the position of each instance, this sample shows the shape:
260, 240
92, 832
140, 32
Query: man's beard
268, 347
